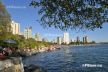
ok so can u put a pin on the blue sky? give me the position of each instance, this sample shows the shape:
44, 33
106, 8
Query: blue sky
27, 16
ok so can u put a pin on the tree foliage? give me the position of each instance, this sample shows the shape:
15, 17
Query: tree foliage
72, 14
5, 22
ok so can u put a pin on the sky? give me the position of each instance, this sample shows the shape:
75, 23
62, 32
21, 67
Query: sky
22, 13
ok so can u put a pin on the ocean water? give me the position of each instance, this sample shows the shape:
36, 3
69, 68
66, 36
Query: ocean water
91, 58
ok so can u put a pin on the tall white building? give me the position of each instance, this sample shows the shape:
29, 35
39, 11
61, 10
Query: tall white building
28, 32
66, 38
15, 27
59, 40
38, 37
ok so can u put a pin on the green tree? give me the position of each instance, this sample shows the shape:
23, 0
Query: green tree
93, 42
30, 43
72, 14
5, 22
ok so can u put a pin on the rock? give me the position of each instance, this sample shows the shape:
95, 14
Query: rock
13, 64
33, 68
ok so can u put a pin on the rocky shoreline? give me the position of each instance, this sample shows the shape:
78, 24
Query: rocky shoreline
14, 63
28, 52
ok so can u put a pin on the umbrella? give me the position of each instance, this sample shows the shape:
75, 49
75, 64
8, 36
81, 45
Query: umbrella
10, 41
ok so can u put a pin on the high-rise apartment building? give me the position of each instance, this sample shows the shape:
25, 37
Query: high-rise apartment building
59, 40
15, 27
85, 39
28, 32
66, 38
38, 37
78, 39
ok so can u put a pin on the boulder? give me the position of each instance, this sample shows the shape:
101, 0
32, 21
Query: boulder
34, 68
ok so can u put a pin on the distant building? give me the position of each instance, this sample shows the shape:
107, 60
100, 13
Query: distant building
38, 37
66, 38
85, 39
59, 40
28, 32
71, 40
78, 39
15, 27
44, 40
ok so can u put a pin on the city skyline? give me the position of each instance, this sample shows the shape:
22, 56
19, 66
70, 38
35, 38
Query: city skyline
27, 16
64, 38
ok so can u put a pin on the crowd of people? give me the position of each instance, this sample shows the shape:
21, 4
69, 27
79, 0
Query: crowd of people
6, 52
